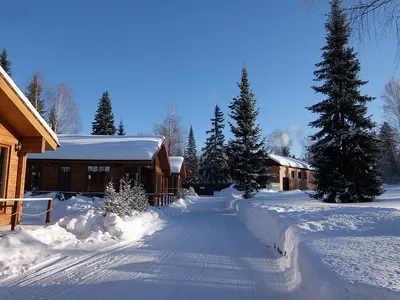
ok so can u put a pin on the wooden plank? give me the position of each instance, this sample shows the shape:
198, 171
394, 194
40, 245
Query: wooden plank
33, 144
48, 213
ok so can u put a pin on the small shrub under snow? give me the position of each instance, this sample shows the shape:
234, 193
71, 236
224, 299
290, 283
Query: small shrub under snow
181, 194
128, 199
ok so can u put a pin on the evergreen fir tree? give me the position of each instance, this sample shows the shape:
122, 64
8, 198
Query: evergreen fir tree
53, 120
5, 63
34, 94
247, 155
286, 151
104, 119
121, 128
191, 160
114, 203
139, 201
214, 166
389, 164
344, 154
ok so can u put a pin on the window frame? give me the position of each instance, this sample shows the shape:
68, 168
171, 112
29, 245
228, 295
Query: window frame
292, 174
97, 170
3, 205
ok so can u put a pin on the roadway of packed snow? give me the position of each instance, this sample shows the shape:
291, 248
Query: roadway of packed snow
329, 251
204, 252
78, 224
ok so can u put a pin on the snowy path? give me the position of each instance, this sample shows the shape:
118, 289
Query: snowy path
204, 254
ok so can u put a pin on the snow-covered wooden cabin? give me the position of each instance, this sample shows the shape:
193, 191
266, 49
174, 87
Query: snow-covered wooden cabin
290, 173
178, 173
86, 163
22, 131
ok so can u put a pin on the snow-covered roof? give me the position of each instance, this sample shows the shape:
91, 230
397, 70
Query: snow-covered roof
28, 104
290, 162
104, 147
176, 163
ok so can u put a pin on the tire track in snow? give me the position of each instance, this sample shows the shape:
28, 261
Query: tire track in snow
47, 272
131, 258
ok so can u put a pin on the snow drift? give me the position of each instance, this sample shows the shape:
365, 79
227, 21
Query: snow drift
78, 225
329, 251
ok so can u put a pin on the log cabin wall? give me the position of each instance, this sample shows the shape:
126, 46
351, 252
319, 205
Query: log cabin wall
13, 175
81, 175
299, 179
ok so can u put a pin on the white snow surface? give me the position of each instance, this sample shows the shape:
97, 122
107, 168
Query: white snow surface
176, 163
333, 251
204, 252
100, 147
219, 247
289, 162
28, 104
78, 226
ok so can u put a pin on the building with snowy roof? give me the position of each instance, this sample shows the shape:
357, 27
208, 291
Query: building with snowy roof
178, 173
22, 131
86, 163
290, 173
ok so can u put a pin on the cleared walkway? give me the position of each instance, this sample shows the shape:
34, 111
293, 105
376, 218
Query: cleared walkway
204, 254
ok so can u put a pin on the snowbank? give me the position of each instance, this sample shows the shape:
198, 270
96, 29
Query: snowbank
78, 225
329, 251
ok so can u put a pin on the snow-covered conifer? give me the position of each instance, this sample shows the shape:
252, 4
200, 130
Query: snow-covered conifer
247, 155
345, 151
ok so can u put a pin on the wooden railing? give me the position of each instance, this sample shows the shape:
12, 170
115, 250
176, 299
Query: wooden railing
161, 199
15, 211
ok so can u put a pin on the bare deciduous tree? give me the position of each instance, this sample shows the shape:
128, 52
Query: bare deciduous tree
391, 107
173, 131
63, 115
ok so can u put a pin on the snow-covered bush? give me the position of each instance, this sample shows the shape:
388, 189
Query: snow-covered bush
60, 196
114, 202
181, 194
192, 192
128, 199
138, 200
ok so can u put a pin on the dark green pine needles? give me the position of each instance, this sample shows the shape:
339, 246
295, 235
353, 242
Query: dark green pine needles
104, 119
247, 154
344, 153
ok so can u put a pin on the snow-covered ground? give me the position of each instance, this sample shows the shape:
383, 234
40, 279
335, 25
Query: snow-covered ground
204, 252
333, 251
78, 225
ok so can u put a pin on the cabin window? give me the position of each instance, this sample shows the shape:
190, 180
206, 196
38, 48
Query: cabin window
36, 173
292, 174
3, 176
299, 175
3, 171
64, 178
98, 177
305, 175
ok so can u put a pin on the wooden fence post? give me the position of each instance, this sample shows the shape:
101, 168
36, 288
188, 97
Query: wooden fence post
48, 213
14, 218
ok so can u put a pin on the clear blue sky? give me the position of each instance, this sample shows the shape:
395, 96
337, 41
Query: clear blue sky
148, 53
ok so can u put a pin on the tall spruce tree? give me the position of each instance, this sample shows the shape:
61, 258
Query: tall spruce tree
104, 119
344, 154
121, 128
214, 166
191, 160
34, 94
5, 62
389, 163
247, 155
